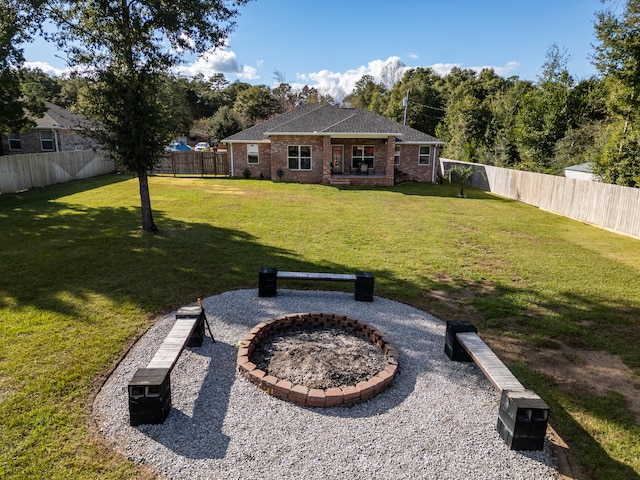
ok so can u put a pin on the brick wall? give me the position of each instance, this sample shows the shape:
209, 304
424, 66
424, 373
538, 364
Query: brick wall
410, 170
256, 170
279, 160
68, 140
273, 158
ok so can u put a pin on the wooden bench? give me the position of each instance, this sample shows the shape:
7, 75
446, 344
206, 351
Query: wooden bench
268, 281
523, 415
150, 387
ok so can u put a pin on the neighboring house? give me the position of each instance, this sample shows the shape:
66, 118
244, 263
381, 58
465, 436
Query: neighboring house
58, 130
582, 171
333, 145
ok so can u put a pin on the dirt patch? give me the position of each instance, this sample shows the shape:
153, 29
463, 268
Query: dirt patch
319, 357
574, 370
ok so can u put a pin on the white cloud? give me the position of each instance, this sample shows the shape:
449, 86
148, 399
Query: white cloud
46, 68
218, 61
339, 85
507, 69
444, 69
412, 55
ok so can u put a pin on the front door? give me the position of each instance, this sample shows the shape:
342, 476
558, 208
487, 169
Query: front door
337, 158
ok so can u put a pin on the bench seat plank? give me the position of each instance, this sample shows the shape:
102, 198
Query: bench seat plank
496, 371
172, 346
339, 277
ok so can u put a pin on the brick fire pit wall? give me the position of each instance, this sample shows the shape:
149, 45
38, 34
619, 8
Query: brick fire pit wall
314, 397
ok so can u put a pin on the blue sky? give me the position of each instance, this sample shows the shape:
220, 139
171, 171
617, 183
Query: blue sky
330, 44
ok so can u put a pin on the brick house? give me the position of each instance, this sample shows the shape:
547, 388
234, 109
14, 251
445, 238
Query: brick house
58, 130
334, 146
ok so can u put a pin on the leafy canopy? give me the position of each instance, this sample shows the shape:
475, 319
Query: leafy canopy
127, 47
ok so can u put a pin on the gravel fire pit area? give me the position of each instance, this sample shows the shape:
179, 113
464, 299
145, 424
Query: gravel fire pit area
437, 419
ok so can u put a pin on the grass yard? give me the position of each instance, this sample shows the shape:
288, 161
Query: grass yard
557, 299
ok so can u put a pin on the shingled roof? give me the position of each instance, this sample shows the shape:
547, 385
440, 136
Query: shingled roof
57, 117
311, 119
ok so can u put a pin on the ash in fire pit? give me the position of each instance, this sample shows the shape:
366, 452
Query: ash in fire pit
319, 360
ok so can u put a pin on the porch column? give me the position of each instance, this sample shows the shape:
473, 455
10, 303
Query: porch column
326, 160
389, 171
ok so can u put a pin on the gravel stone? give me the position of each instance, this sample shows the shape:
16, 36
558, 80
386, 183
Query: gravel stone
437, 420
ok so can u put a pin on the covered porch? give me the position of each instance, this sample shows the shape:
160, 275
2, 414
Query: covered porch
359, 161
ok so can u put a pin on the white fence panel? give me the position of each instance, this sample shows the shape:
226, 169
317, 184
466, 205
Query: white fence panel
22, 172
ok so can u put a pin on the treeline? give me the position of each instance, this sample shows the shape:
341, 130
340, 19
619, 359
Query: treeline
542, 126
212, 107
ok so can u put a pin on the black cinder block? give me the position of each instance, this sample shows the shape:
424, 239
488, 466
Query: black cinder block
268, 282
197, 336
452, 347
522, 420
149, 396
364, 287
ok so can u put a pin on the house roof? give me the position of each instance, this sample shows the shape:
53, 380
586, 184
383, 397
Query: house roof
312, 119
57, 117
581, 167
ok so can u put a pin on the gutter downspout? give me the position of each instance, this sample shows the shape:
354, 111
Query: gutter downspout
433, 165
231, 158
55, 140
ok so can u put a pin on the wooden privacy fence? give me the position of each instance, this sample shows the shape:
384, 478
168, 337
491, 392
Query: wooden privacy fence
29, 170
605, 205
194, 163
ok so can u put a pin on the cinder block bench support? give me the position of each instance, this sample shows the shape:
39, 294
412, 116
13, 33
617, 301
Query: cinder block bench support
150, 387
523, 415
268, 281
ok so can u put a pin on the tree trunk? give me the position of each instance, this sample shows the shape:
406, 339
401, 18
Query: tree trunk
147, 215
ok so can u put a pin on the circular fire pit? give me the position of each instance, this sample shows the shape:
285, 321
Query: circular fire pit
313, 394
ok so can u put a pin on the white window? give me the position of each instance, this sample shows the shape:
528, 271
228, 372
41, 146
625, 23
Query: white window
424, 157
14, 142
362, 154
252, 153
396, 155
299, 157
46, 140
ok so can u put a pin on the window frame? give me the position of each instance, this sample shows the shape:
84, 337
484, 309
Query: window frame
250, 154
15, 137
299, 158
357, 159
422, 156
52, 140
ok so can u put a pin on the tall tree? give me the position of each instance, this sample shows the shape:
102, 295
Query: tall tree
424, 101
16, 104
224, 123
618, 56
544, 116
367, 93
257, 103
129, 46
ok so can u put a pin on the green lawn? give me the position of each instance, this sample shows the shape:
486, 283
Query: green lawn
79, 283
